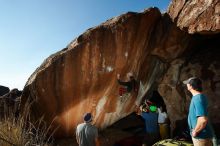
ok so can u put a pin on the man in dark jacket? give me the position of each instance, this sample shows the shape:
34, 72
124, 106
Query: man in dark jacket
128, 85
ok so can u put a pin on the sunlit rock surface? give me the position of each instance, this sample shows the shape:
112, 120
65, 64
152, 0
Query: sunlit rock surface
82, 77
196, 16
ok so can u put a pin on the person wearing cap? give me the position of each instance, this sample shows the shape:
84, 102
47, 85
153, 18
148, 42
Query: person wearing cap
127, 86
198, 121
86, 133
148, 111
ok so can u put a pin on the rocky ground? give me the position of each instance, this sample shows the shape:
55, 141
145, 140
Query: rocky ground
108, 138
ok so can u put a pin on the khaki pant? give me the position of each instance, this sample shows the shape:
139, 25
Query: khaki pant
202, 142
164, 131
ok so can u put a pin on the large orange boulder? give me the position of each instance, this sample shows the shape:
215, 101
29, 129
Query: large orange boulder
158, 48
82, 77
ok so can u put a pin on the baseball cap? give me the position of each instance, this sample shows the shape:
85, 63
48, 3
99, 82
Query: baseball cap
195, 82
188, 81
87, 117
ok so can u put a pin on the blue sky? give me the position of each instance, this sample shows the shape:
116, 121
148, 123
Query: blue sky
31, 30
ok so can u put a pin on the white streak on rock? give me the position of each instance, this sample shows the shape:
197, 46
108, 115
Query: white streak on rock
126, 54
109, 69
100, 105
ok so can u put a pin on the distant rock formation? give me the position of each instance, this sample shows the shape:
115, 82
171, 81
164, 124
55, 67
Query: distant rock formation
3, 90
9, 103
82, 77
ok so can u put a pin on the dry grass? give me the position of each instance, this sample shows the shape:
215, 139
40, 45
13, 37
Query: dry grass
19, 132
11, 133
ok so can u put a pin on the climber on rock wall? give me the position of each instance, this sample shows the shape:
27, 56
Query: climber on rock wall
127, 86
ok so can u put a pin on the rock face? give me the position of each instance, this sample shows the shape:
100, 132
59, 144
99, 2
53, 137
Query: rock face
202, 61
82, 77
196, 16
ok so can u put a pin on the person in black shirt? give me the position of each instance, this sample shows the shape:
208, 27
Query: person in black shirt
127, 86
